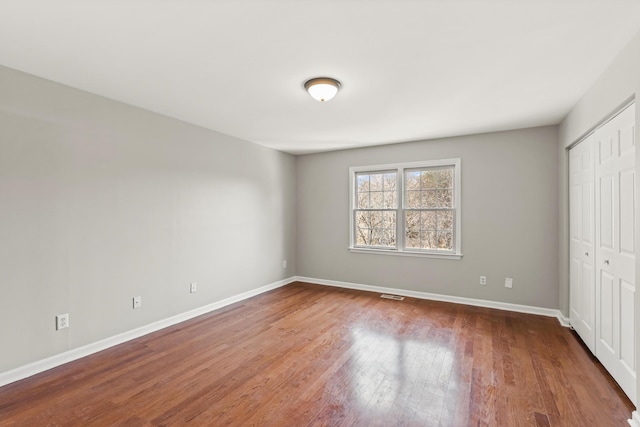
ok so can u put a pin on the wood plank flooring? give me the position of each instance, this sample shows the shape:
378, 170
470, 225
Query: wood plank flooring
308, 355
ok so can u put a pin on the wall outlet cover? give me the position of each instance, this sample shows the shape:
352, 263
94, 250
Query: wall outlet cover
62, 321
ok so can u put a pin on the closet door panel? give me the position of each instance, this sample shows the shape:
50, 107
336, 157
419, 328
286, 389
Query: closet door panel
605, 208
588, 300
581, 246
626, 260
627, 339
606, 310
615, 248
627, 212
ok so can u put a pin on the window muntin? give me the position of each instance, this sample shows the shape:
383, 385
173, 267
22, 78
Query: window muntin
407, 209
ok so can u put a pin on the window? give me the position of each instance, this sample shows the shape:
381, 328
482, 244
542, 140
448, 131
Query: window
376, 209
407, 209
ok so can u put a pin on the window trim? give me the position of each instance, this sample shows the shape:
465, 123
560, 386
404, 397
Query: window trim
400, 209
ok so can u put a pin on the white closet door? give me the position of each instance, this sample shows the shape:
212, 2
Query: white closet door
582, 250
615, 248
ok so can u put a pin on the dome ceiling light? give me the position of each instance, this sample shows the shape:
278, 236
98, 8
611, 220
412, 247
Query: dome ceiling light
322, 88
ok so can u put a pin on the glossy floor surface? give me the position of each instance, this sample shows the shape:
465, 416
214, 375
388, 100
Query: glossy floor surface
308, 355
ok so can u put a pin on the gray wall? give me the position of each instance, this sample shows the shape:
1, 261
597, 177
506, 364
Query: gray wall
509, 218
100, 201
619, 83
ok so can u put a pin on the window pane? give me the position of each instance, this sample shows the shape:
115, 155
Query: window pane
377, 199
428, 240
375, 182
445, 198
412, 221
363, 200
362, 220
363, 183
413, 199
390, 200
445, 240
389, 237
389, 219
362, 236
428, 220
445, 178
390, 181
429, 199
412, 240
428, 179
375, 219
412, 180
376, 237
412, 229
445, 220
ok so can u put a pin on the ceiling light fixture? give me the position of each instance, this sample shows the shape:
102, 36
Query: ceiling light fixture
322, 88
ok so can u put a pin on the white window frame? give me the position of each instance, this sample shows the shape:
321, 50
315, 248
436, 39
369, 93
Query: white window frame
400, 209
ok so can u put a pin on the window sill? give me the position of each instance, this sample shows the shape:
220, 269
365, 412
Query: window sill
454, 256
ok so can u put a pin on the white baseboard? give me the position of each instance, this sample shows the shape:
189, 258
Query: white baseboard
635, 419
564, 320
446, 298
77, 353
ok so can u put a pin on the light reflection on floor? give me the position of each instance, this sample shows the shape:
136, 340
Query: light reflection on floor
401, 375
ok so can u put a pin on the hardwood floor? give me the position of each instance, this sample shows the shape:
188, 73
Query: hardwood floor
308, 355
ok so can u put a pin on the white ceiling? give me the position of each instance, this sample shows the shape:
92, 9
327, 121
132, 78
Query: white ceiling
410, 70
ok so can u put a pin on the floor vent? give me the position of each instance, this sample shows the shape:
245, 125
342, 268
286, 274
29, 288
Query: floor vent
394, 297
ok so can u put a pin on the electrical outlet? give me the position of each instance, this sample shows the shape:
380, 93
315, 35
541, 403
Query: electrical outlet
137, 302
508, 282
62, 321
483, 280
193, 288
284, 264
